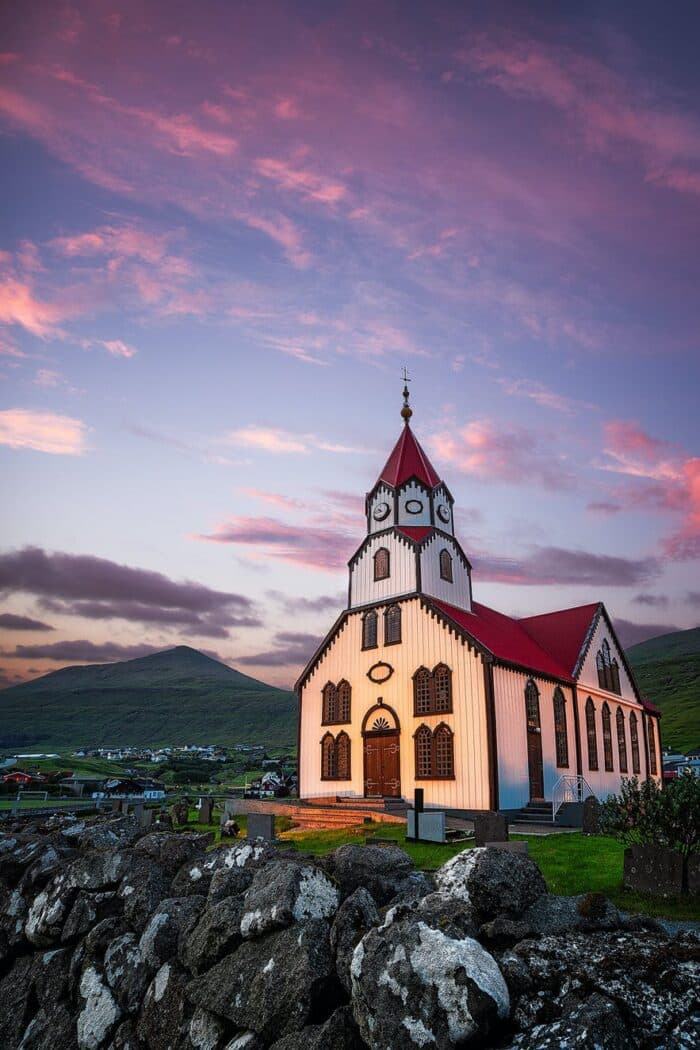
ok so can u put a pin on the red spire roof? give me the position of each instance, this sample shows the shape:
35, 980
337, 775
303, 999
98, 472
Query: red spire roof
408, 460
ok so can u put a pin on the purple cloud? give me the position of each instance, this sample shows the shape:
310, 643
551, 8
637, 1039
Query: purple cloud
654, 600
631, 633
291, 649
82, 651
22, 623
556, 565
315, 548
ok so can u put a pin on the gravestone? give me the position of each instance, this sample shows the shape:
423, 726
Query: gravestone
139, 811
147, 816
261, 826
511, 847
116, 805
431, 825
125, 806
180, 812
655, 870
591, 816
490, 827
206, 807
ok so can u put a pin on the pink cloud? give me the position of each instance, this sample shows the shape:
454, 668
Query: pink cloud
309, 184
20, 306
501, 452
275, 498
314, 548
542, 395
42, 432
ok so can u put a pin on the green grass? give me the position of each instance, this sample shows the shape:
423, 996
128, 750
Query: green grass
668, 672
37, 803
571, 863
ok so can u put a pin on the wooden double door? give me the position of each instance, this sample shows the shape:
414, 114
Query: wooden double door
381, 763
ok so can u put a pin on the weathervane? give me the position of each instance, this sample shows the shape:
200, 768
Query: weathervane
406, 411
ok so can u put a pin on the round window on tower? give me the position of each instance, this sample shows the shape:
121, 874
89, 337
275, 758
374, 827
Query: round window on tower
443, 512
414, 506
381, 511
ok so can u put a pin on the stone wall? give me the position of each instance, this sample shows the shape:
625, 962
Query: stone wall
118, 939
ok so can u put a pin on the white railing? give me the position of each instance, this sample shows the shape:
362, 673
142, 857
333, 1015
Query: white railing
569, 788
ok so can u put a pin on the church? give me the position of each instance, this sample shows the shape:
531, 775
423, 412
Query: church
418, 685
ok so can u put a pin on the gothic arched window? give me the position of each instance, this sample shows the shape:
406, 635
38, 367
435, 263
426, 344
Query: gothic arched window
621, 740
369, 630
532, 705
561, 740
445, 565
381, 564
422, 699
442, 689
652, 746
634, 741
330, 703
344, 693
424, 751
615, 678
607, 740
443, 750
329, 764
392, 625
608, 669
342, 751
591, 735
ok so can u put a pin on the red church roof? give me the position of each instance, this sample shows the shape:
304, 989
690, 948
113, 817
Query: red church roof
408, 460
562, 633
417, 533
506, 638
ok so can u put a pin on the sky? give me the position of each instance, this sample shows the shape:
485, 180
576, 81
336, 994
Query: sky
228, 226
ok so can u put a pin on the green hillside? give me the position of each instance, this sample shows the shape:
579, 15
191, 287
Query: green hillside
178, 696
667, 669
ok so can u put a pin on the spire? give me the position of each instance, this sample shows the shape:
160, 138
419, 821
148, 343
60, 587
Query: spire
406, 411
408, 460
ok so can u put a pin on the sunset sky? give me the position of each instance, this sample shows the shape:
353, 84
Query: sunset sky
227, 226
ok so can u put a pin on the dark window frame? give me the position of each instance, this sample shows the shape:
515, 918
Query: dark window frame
379, 567
437, 702
591, 736
621, 740
561, 729
392, 611
651, 737
608, 669
370, 617
330, 759
607, 739
426, 742
446, 566
634, 743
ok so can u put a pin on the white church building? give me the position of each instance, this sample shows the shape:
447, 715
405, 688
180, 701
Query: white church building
418, 685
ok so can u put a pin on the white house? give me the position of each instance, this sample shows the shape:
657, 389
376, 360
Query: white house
419, 685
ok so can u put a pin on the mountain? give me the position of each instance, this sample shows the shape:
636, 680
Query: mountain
667, 669
178, 696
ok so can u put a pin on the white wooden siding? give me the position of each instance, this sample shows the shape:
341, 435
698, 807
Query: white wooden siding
402, 564
511, 736
605, 782
588, 677
416, 492
384, 494
457, 593
424, 641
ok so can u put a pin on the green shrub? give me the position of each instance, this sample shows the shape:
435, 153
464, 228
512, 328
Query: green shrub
644, 814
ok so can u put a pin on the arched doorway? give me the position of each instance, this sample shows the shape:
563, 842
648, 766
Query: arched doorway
381, 749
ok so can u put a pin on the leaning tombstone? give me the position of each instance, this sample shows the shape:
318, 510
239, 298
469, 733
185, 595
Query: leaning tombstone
206, 807
261, 826
116, 805
591, 816
146, 818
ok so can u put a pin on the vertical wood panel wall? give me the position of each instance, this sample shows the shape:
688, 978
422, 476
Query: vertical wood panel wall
421, 634
457, 593
365, 589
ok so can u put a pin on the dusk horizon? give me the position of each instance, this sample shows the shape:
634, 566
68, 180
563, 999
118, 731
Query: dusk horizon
231, 228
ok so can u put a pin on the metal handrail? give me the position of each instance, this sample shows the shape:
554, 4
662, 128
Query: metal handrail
569, 788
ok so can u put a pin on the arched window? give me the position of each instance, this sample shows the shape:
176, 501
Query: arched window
445, 565
634, 741
443, 749
607, 740
621, 740
615, 678
592, 735
369, 630
432, 692
330, 703
422, 693
329, 764
381, 564
424, 752
561, 740
392, 625
652, 746
532, 706
344, 701
442, 689
342, 751
608, 669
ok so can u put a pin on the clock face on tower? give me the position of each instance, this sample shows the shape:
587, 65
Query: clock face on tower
381, 511
443, 513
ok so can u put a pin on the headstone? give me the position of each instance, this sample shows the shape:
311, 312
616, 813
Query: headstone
655, 870
511, 847
181, 812
125, 806
431, 825
116, 805
139, 811
591, 816
206, 807
147, 816
261, 826
490, 827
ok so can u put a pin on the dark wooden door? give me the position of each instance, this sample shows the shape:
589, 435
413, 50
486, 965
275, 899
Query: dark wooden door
382, 775
534, 763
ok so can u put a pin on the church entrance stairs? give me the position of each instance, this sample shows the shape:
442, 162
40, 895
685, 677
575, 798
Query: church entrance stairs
534, 813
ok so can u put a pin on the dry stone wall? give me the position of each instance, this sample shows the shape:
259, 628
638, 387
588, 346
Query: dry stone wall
116, 939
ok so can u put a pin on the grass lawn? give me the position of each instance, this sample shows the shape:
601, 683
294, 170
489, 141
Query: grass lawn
37, 803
